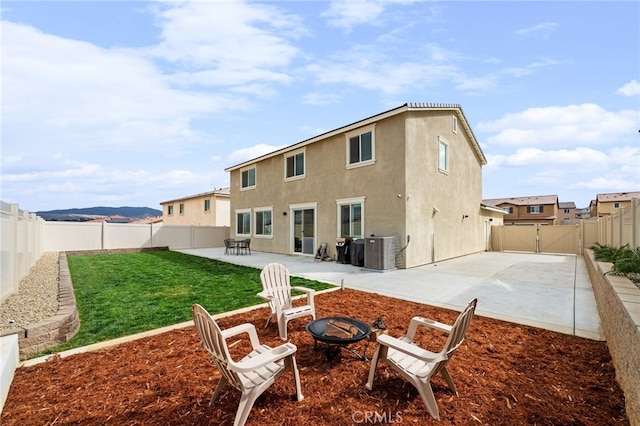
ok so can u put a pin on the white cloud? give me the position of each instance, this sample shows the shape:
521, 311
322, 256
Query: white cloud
321, 98
608, 184
349, 13
251, 152
228, 36
544, 29
632, 88
585, 124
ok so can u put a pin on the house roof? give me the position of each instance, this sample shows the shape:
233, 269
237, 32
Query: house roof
524, 201
616, 196
398, 110
567, 205
222, 193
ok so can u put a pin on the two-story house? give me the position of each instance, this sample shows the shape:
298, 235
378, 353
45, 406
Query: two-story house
206, 209
540, 209
608, 203
566, 213
413, 173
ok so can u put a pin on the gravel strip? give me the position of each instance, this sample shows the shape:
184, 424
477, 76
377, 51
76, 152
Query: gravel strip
37, 295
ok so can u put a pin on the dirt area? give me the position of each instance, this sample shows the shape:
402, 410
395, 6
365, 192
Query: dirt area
506, 374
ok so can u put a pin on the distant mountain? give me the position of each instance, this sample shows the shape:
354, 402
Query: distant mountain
82, 215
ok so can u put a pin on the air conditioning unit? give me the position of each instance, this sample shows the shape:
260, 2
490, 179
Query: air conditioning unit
379, 253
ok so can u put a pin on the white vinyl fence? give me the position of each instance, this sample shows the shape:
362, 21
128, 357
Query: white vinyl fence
20, 246
25, 237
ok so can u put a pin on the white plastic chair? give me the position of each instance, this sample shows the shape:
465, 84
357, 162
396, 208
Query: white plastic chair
419, 365
277, 291
254, 373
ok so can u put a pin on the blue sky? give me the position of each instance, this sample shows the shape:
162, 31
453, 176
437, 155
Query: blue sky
124, 103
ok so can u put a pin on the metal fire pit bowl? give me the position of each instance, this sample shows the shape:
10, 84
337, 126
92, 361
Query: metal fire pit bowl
333, 344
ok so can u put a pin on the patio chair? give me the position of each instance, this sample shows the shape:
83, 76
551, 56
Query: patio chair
419, 365
244, 246
229, 246
254, 373
277, 292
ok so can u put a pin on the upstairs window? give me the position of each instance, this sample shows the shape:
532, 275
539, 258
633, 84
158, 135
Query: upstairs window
361, 147
455, 124
295, 165
181, 208
534, 209
207, 205
170, 210
248, 178
616, 205
443, 155
508, 209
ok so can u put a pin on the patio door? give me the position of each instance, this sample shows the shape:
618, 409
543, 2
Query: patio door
304, 230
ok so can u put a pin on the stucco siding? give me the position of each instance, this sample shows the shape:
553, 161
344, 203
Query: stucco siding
399, 188
442, 234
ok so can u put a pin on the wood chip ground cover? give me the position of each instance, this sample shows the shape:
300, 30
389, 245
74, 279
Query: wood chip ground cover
506, 374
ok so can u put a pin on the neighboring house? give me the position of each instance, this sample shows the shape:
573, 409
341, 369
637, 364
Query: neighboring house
611, 202
413, 173
206, 209
593, 209
566, 213
541, 209
584, 213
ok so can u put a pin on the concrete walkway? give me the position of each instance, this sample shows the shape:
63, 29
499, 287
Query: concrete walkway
550, 291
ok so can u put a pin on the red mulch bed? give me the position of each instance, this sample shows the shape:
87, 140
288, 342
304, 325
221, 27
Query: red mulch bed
506, 374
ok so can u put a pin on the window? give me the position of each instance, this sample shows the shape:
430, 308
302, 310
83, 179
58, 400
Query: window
181, 208
443, 155
207, 205
263, 222
508, 209
350, 218
455, 124
170, 210
567, 210
534, 209
616, 205
360, 147
248, 178
243, 222
294, 165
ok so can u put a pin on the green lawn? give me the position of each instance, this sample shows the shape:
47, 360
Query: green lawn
123, 294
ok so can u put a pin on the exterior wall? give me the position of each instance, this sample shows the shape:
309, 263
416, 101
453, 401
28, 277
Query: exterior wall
607, 208
194, 213
443, 233
399, 190
520, 215
327, 180
566, 216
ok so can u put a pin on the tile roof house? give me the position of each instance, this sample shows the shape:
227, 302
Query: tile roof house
412, 174
609, 203
205, 209
566, 213
539, 209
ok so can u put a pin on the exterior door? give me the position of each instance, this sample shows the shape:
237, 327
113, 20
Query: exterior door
304, 225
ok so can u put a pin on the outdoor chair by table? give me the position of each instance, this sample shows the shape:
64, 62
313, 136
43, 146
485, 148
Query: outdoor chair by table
333, 344
243, 246
229, 246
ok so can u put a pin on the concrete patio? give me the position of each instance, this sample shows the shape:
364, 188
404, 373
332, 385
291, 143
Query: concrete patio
550, 291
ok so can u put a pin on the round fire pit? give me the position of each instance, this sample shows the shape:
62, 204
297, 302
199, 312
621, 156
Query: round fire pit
333, 344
